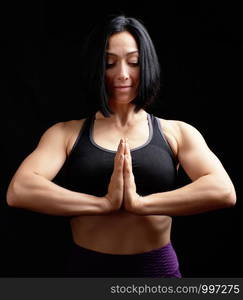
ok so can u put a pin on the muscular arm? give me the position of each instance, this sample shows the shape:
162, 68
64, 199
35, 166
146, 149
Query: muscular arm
31, 187
211, 187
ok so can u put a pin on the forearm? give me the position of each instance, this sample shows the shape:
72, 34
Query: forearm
202, 195
36, 193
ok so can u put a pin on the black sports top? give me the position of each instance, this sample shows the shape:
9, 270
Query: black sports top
89, 166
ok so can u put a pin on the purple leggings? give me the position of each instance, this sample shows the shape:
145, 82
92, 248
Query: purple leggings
161, 262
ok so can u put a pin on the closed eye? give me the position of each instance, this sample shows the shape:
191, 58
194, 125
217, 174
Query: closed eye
134, 64
109, 65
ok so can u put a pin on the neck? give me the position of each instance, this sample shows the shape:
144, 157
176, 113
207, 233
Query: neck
124, 114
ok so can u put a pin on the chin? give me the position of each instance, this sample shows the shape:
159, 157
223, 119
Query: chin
123, 100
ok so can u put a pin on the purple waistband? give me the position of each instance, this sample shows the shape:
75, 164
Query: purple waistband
153, 252
160, 262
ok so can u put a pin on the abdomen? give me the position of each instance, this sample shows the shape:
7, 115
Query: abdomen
121, 232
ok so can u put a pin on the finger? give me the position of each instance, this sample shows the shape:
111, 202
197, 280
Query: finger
126, 146
119, 163
127, 165
128, 152
121, 147
128, 174
119, 157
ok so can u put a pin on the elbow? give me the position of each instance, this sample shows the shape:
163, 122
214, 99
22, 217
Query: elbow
12, 194
10, 197
228, 197
231, 199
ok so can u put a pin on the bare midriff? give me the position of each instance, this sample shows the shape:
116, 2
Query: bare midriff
121, 232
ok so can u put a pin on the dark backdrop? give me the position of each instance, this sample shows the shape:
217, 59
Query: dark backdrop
200, 50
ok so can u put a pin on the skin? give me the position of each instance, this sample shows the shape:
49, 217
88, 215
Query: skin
121, 222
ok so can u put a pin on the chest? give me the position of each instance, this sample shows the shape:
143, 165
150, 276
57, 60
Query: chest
89, 169
109, 136
91, 163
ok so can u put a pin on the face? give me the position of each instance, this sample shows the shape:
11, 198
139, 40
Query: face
122, 68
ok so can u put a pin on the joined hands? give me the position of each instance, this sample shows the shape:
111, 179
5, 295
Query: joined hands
122, 187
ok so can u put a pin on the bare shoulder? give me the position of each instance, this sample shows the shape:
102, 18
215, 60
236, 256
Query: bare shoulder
170, 126
73, 125
62, 134
171, 133
72, 129
181, 132
64, 129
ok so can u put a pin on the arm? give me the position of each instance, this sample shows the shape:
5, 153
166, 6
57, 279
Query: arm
211, 187
31, 187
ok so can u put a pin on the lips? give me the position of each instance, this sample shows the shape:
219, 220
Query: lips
122, 89
122, 86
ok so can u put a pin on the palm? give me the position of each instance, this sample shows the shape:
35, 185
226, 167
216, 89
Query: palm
130, 194
122, 187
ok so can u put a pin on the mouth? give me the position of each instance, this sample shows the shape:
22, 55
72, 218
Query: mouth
123, 88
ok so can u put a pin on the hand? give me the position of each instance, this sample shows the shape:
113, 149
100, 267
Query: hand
114, 197
132, 201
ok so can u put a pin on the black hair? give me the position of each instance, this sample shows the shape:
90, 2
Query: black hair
94, 63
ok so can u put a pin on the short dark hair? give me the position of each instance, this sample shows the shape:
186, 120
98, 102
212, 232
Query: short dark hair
94, 63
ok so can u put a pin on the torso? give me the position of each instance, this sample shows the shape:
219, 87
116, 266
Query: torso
122, 232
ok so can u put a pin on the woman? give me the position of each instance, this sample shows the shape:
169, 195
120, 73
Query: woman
121, 165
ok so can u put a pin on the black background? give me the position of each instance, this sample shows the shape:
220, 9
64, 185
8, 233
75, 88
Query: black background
199, 47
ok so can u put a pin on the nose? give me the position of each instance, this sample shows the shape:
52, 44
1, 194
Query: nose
123, 72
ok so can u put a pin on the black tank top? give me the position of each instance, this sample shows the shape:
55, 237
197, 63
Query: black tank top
89, 167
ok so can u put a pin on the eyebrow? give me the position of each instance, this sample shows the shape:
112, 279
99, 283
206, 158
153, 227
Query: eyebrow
128, 53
